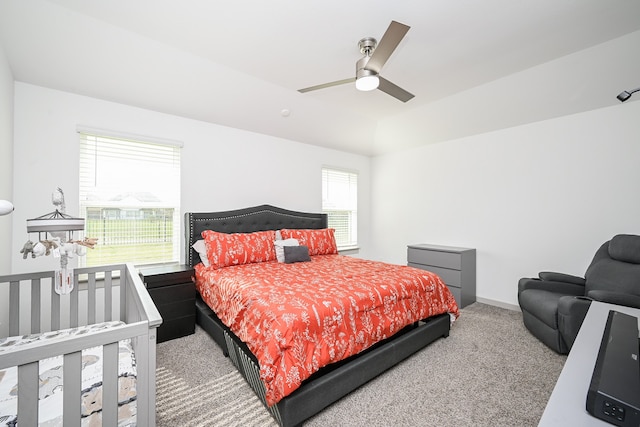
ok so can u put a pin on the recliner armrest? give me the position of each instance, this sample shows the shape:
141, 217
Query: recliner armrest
551, 286
552, 276
617, 298
571, 314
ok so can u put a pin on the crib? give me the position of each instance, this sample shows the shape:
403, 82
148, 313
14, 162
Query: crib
113, 295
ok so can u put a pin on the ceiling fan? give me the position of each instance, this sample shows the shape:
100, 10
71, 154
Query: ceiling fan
368, 67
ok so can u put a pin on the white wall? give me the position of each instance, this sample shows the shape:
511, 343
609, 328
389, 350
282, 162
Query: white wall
578, 82
222, 168
6, 156
542, 196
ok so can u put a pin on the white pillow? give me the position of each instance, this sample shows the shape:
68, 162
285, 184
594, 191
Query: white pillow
201, 248
280, 244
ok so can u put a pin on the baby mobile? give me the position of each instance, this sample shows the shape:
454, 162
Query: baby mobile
55, 237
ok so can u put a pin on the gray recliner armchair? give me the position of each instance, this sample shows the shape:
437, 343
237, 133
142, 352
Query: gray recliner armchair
555, 304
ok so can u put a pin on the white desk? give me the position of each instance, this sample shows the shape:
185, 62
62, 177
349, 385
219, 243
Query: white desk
567, 404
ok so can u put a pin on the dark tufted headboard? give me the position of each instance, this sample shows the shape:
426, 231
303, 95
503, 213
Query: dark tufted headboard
247, 220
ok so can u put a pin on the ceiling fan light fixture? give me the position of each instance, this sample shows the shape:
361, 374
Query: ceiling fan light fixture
366, 80
367, 83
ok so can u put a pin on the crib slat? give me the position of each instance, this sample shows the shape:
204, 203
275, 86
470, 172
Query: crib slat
91, 296
72, 380
28, 394
55, 310
36, 302
110, 385
14, 304
74, 309
124, 284
108, 297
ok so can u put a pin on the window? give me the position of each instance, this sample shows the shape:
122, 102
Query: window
130, 199
340, 202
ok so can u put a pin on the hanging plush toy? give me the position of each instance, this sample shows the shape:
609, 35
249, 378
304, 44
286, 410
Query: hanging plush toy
27, 249
89, 242
49, 245
39, 249
67, 249
79, 249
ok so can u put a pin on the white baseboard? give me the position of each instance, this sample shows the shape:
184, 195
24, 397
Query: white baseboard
500, 304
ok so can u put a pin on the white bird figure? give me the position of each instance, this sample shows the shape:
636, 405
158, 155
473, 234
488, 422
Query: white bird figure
58, 200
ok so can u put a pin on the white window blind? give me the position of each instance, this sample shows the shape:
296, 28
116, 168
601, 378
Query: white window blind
130, 199
340, 202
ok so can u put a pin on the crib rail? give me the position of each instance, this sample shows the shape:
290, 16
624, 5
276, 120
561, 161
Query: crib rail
34, 306
113, 292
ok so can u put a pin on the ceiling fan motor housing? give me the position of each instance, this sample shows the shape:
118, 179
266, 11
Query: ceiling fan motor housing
367, 46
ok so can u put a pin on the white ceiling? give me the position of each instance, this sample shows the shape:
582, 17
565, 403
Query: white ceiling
240, 63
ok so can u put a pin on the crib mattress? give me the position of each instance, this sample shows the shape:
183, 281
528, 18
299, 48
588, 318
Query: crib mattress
51, 381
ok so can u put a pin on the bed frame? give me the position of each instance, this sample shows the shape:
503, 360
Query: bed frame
332, 382
104, 293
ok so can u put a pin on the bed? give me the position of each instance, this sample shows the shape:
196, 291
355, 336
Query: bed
84, 358
330, 382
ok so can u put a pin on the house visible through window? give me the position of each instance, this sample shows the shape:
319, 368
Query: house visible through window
130, 199
340, 202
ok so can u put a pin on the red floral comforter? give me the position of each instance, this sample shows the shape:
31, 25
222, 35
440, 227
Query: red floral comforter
297, 318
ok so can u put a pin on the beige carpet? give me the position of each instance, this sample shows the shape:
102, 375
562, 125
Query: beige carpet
223, 401
489, 372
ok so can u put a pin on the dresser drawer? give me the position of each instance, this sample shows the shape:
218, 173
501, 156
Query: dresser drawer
455, 266
448, 276
165, 275
176, 328
177, 309
435, 258
173, 293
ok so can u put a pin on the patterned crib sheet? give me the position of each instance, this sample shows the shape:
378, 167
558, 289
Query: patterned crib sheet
51, 381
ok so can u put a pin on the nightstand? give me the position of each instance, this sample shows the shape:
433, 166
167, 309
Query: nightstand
174, 294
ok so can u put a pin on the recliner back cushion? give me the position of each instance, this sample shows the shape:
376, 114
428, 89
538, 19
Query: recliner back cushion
613, 275
626, 248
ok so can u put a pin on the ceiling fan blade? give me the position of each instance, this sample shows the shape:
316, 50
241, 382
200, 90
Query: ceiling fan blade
325, 85
390, 40
396, 91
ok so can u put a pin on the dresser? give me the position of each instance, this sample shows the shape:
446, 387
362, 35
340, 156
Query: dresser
174, 294
455, 266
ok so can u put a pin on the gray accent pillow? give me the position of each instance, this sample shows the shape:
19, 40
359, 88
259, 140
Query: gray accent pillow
296, 254
280, 244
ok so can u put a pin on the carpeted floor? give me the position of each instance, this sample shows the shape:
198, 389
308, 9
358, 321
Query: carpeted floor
489, 372
221, 401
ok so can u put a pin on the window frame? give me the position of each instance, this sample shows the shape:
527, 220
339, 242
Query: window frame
348, 207
170, 155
